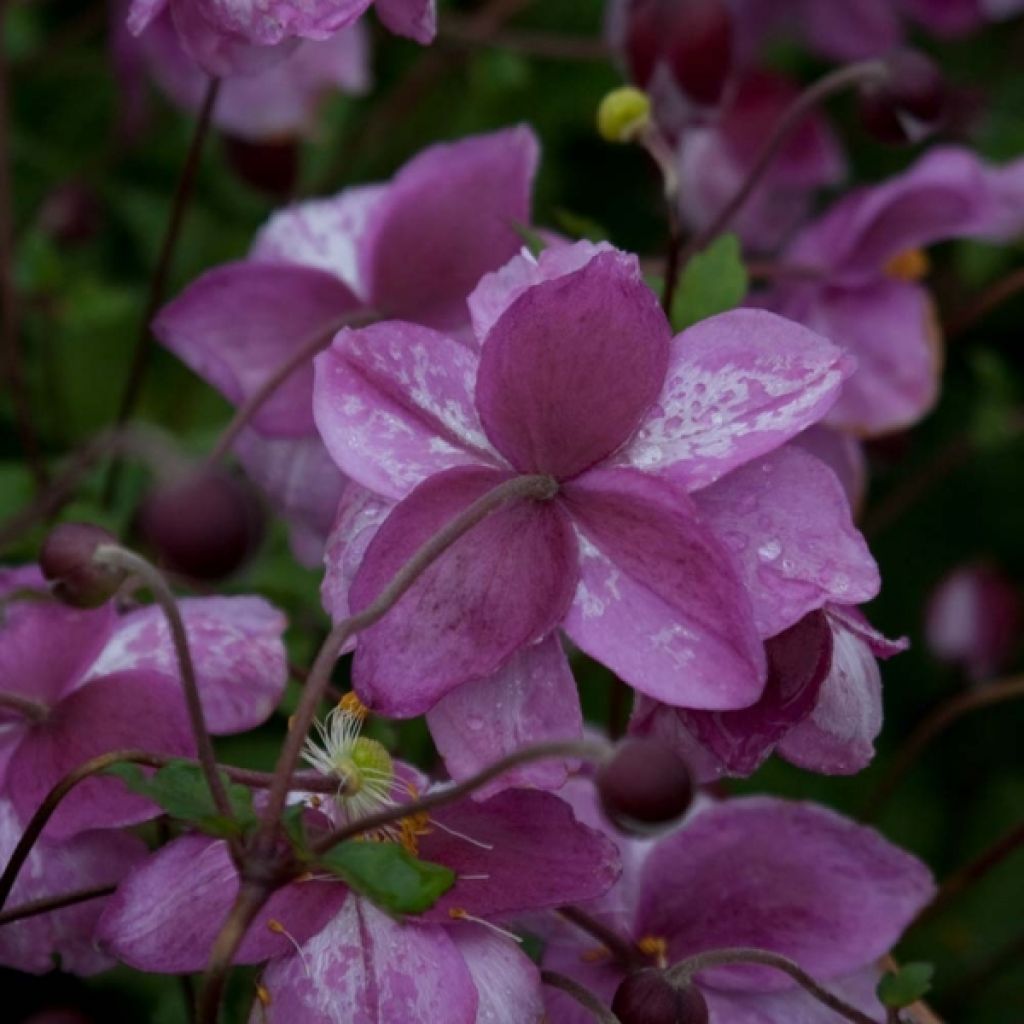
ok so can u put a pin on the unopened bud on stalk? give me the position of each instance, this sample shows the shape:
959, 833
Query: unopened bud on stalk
67, 560
647, 997
204, 525
644, 785
623, 114
908, 104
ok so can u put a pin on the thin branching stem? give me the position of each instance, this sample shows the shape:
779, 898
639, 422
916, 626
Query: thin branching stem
48, 904
581, 994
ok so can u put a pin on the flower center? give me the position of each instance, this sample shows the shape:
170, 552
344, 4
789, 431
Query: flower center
909, 265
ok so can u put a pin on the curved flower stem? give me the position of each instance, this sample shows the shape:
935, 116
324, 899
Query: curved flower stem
158, 282
581, 994
583, 749
973, 871
303, 353
248, 903
931, 728
682, 972
993, 297
306, 782
828, 85
31, 710
10, 348
539, 488
50, 903
622, 948
117, 557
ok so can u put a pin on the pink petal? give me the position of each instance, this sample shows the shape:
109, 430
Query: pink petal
738, 385
520, 850
852, 31
167, 912
448, 218
52, 869
787, 521
394, 404
660, 602
326, 234
142, 12
504, 585
844, 455
32, 664
838, 736
506, 979
310, 19
365, 968
416, 19
737, 742
127, 710
238, 323
567, 372
840, 894
531, 699
237, 649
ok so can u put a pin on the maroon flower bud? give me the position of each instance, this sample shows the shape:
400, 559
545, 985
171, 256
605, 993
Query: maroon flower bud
270, 167
70, 214
909, 104
647, 997
67, 561
203, 525
644, 785
692, 37
973, 620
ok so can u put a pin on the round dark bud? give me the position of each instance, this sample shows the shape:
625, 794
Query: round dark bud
203, 525
693, 38
647, 997
270, 167
67, 561
909, 104
644, 785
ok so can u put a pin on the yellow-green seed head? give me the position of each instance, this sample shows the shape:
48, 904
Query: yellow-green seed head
623, 114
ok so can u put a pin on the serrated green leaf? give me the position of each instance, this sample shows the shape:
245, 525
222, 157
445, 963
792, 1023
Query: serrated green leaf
388, 875
180, 789
714, 280
905, 986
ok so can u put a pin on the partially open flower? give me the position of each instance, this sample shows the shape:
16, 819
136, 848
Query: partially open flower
645, 784
67, 561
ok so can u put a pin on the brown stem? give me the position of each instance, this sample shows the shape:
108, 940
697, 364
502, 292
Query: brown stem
247, 905
117, 557
518, 488
581, 994
582, 749
10, 347
158, 283
32, 710
993, 297
973, 871
621, 948
827, 86
931, 728
50, 903
307, 348
682, 972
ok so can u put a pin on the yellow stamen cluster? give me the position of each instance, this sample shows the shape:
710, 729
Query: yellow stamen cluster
909, 265
656, 948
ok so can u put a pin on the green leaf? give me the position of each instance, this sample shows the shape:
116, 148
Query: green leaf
389, 876
294, 828
180, 789
578, 226
905, 986
713, 281
532, 239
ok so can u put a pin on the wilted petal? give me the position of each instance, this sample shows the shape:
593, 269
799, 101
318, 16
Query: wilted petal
567, 372
840, 894
88, 860
167, 912
738, 385
505, 584
416, 19
786, 519
531, 699
737, 742
127, 710
394, 404
365, 968
323, 233
449, 217
660, 601
237, 649
520, 850
506, 979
